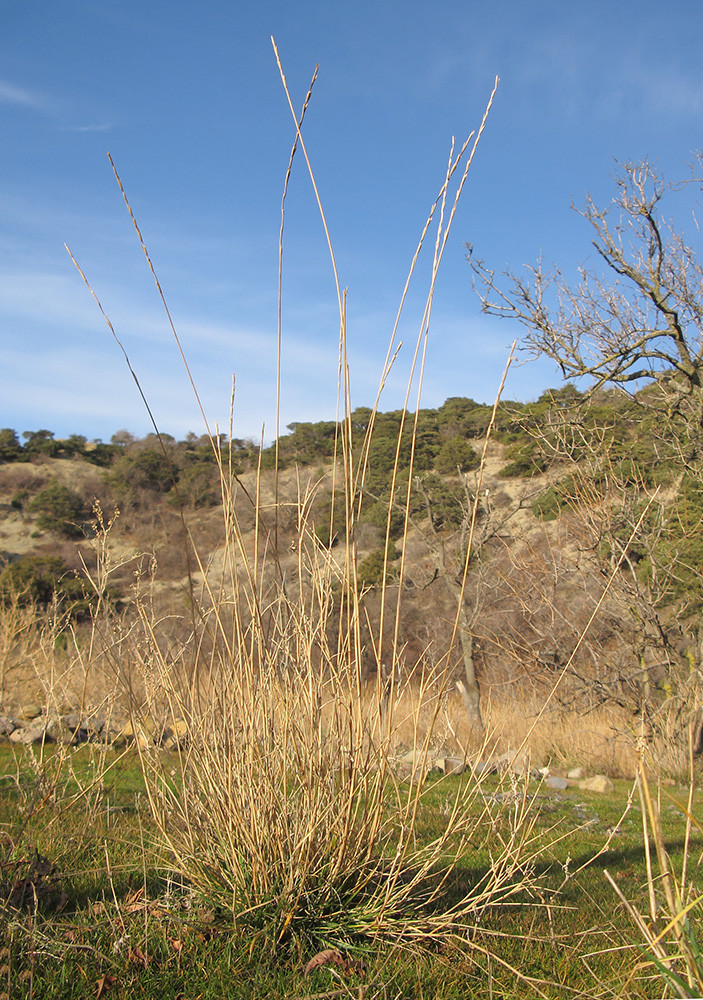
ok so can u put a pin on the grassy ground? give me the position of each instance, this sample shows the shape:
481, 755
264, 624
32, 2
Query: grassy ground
96, 911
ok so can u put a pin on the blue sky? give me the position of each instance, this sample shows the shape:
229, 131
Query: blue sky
188, 100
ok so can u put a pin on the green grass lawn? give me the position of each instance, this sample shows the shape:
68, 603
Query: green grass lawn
99, 913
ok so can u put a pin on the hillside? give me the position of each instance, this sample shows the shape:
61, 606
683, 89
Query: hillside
581, 506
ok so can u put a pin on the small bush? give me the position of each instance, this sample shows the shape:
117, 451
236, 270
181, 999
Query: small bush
41, 580
148, 470
370, 570
547, 505
198, 486
58, 509
10, 447
376, 512
40, 443
444, 502
456, 454
21, 477
524, 460
330, 519
19, 499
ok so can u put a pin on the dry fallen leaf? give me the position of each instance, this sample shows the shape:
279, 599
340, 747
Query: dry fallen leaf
137, 956
103, 985
133, 900
335, 957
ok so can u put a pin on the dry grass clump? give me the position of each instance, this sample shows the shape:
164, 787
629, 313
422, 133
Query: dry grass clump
283, 803
287, 803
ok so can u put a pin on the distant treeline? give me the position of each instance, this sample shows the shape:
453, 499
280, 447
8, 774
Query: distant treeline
440, 440
596, 450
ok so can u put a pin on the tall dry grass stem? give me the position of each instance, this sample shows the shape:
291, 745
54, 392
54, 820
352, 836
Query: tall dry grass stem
286, 799
670, 932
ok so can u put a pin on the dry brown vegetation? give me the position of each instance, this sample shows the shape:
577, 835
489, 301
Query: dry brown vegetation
530, 597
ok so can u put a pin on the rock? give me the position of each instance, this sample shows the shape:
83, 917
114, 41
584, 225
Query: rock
560, 784
72, 720
133, 733
451, 765
149, 726
413, 775
598, 783
180, 728
96, 724
32, 710
7, 726
115, 738
517, 763
575, 774
176, 735
521, 765
501, 762
483, 767
413, 766
74, 728
31, 735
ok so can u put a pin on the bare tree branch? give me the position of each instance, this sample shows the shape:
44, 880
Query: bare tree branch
639, 320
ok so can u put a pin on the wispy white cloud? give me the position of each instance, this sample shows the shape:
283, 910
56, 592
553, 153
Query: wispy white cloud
42, 296
585, 74
665, 90
63, 369
12, 94
104, 127
91, 391
57, 109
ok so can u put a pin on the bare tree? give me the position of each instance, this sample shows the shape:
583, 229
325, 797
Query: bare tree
448, 543
449, 575
638, 319
633, 320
